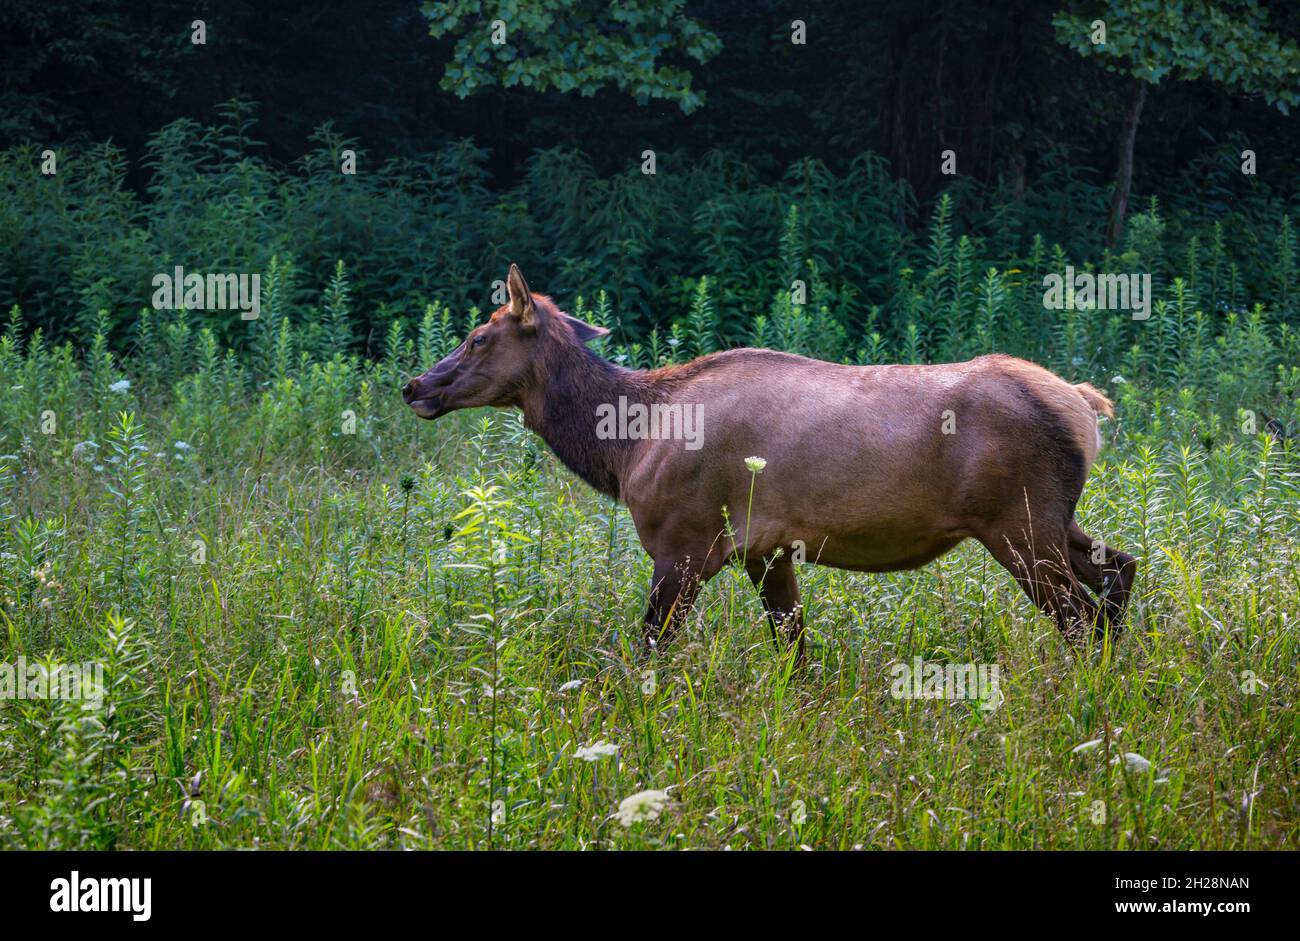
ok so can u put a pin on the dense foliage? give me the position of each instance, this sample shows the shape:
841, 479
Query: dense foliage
697, 239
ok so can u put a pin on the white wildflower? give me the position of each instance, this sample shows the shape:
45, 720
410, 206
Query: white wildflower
596, 751
1133, 762
644, 805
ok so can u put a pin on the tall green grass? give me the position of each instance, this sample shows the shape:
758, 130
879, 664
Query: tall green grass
324, 623
323, 632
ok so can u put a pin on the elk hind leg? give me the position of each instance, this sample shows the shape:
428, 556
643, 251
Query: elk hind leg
1111, 577
1038, 558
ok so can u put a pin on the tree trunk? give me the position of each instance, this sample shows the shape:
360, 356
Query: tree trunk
1124, 175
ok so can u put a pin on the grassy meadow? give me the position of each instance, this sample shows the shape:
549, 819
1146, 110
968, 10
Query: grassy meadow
325, 624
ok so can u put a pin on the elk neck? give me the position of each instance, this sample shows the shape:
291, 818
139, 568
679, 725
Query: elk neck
561, 403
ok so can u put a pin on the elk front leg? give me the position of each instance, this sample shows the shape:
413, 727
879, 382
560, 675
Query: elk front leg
672, 593
779, 589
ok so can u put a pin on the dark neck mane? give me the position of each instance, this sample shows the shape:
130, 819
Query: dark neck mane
560, 406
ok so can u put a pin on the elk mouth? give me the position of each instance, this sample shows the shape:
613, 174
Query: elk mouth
425, 404
428, 407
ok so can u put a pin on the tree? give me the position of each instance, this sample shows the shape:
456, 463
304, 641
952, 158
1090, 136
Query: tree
1227, 43
58, 55
573, 45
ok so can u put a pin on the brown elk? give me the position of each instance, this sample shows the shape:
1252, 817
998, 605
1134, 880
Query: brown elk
868, 468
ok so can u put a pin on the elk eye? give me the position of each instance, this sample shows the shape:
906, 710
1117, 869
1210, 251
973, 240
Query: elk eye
480, 340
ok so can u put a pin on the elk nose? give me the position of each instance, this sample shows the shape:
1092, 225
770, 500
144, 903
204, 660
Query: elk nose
408, 392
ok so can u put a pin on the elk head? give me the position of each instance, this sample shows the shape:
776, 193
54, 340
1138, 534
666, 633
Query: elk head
499, 359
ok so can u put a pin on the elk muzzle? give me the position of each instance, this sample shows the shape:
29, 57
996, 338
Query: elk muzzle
426, 395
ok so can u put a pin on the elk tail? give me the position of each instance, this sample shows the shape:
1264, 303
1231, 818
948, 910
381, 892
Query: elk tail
1098, 402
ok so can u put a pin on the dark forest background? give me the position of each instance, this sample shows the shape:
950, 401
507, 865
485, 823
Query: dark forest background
819, 162
902, 78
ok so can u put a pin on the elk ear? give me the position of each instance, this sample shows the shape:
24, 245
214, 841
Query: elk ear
521, 300
586, 332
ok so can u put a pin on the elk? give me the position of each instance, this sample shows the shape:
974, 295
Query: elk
870, 468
